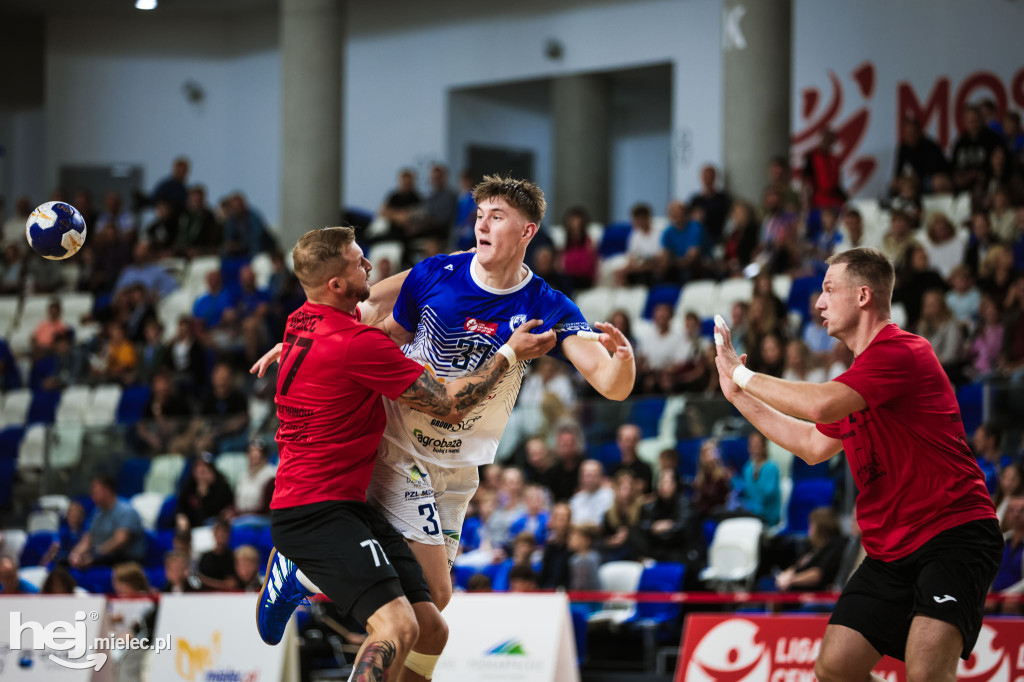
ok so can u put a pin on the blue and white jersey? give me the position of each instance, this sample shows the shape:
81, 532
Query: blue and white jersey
458, 323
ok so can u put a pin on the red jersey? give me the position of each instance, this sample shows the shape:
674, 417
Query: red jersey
907, 451
333, 372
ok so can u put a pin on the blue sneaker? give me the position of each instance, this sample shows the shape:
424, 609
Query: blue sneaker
281, 593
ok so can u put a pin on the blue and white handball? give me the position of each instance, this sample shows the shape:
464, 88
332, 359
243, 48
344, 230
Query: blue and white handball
55, 230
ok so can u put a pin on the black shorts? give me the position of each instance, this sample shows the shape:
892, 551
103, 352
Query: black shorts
947, 579
350, 551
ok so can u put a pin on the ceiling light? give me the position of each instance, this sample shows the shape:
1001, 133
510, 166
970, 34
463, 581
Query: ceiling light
145, 4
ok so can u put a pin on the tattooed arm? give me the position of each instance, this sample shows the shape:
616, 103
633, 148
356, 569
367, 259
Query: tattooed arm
456, 399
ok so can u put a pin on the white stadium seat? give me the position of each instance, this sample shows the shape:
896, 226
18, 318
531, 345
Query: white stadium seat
699, 297
164, 474
15, 408
148, 505
734, 552
103, 408
75, 402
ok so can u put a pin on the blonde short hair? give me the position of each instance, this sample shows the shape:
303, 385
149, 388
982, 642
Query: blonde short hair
522, 195
314, 256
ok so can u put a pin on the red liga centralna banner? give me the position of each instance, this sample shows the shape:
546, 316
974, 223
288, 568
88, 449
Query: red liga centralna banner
764, 648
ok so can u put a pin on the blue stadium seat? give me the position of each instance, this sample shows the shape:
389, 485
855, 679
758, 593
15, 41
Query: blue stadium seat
43, 409
614, 239
661, 293
808, 494
131, 478
462, 576
97, 580
36, 546
734, 452
608, 455
158, 543
664, 576
156, 577
10, 440
646, 413
7, 468
800, 293
709, 527
253, 532
972, 406
689, 454
166, 518
707, 327
133, 402
802, 470
87, 504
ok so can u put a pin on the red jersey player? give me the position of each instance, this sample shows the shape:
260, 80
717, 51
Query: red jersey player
334, 371
929, 528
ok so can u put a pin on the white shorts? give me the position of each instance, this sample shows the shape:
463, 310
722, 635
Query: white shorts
424, 502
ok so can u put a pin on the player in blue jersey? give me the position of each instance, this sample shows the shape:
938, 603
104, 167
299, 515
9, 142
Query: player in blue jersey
452, 313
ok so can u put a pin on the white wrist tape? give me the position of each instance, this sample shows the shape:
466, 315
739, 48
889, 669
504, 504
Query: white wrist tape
719, 322
741, 376
509, 354
421, 664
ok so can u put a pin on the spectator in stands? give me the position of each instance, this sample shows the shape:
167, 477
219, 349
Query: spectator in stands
828, 237
739, 236
252, 305
14, 226
440, 207
544, 266
579, 257
115, 359
1009, 579
914, 276
996, 274
209, 307
987, 340
712, 486
620, 318
82, 200
963, 298
548, 395
594, 498
1011, 484
222, 422
162, 233
400, 206
539, 462
245, 232
619, 532
1011, 360
898, 237
971, 151
217, 566
816, 570
115, 215
115, 531
684, 245
535, 516
822, 175
776, 225
133, 308
987, 442
760, 491
510, 507
769, 359
186, 358
668, 460
62, 366
800, 364
1000, 174
151, 351
172, 188
199, 231
247, 567
43, 276
204, 494
714, 203
627, 439
179, 580
664, 521
490, 477
943, 244
10, 583
129, 580
583, 559
761, 321
642, 248
814, 334
568, 459
49, 328
780, 179
1012, 133
69, 534
942, 330
908, 200
474, 539
142, 270
554, 571
255, 486
103, 258
764, 288
58, 581
12, 270
1002, 217
851, 231
664, 356
522, 578
165, 416
464, 237
917, 155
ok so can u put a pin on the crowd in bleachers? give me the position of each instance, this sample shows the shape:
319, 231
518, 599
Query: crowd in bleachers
126, 367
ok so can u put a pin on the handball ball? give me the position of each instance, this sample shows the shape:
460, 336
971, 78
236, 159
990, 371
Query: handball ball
55, 230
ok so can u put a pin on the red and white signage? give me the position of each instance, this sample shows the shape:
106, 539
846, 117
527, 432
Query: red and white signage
480, 327
765, 648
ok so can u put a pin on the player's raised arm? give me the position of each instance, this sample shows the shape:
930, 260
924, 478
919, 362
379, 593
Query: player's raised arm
456, 399
608, 365
374, 310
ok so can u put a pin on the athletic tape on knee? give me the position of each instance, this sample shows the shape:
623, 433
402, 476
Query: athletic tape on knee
422, 664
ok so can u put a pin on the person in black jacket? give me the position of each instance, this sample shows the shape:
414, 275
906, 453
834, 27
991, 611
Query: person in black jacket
554, 566
204, 494
817, 569
917, 155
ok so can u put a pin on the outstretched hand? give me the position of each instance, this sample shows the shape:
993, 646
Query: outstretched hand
263, 364
726, 359
528, 346
614, 341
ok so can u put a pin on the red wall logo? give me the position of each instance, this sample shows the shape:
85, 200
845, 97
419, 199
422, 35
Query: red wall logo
939, 108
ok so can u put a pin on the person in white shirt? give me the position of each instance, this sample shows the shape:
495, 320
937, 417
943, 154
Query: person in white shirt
255, 486
594, 498
643, 247
944, 244
672, 361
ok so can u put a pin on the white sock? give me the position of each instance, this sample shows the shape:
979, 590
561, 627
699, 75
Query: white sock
307, 583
